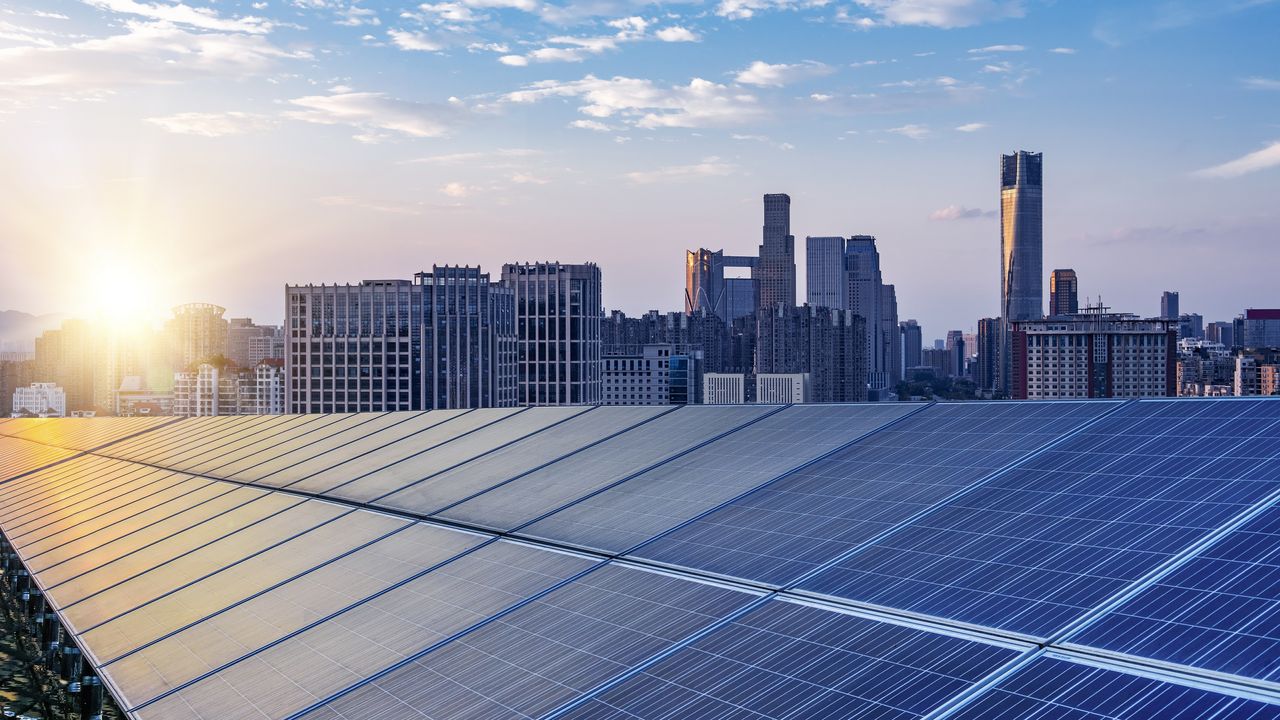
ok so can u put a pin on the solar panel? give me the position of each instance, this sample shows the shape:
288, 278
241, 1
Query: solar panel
547, 652
659, 499
22, 457
478, 441
1038, 546
245, 431
521, 457
344, 428
189, 429
311, 666
316, 426
207, 435
152, 668
95, 488
1052, 688
555, 485
1220, 610
790, 660
89, 433
783, 530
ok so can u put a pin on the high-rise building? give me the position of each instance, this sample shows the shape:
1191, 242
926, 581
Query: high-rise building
1260, 328
65, 357
16, 370
890, 340
955, 353
1021, 246
706, 288
1169, 305
1191, 325
354, 348
249, 344
825, 344
468, 339
912, 344
824, 271
985, 374
197, 333
558, 344
1094, 354
39, 400
223, 389
1064, 291
777, 266
1221, 332
865, 296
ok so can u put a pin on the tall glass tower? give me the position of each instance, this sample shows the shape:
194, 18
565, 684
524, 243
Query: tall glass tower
1021, 249
777, 277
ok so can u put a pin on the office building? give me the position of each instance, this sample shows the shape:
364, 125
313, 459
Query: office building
890, 341
39, 399
1221, 332
707, 289
558, 344
468, 339
1064, 289
776, 276
1191, 325
1094, 354
724, 388
956, 353
197, 333
249, 344
824, 271
1260, 328
782, 388
1021, 246
637, 378
912, 344
1169, 305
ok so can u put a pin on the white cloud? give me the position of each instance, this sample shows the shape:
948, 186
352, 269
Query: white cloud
959, 212
1260, 83
709, 167
743, 9
1000, 68
49, 15
514, 60
869, 63
1267, 157
355, 16
820, 97
456, 190
406, 40
203, 18
998, 49
502, 157
764, 74
642, 103
212, 124
676, 33
450, 12
595, 125
942, 13
972, 127
913, 131
525, 5
1063, 51
527, 179
373, 112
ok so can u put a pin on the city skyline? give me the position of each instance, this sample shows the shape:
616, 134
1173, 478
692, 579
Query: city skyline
863, 144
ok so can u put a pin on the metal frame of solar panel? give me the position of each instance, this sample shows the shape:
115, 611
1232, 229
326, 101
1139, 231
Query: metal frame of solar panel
1048, 560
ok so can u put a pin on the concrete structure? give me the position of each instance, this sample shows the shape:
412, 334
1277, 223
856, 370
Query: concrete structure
197, 333
16, 370
1094, 354
956, 353
823, 343
65, 357
776, 276
210, 390
782, 388
824, 271
1021, 246
39, 400
558, 315
1205, 369
1261, 328
468, 339
1169, 305
1191, 326
724, 388
1221, 332
249, 344
641, 378
1064, 293
912, 344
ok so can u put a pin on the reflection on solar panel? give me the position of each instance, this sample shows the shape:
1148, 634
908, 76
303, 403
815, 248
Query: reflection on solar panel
413, 565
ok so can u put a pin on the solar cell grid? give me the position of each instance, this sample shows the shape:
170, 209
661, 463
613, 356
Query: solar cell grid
634, 511
160, 666
204, 436
783, 530
596, 467
1057, 689
1220, 610
215, 456
789, 660
301, 670
476, 442
16, 495
521, 457
1038, 546
101, 489
245, 431
347, 426
192, 427
544, 654
22, 457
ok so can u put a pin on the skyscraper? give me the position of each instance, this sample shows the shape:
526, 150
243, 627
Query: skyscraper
912, 344
988, 353
706, 287
777, 268
468, 340
558, 344
864, 295
1021, 248
198, 333
824, 271
1064, 293
1169, 305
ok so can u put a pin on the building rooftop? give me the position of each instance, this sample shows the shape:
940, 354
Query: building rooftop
962, 560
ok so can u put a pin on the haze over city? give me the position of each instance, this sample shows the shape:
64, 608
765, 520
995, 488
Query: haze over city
160, 153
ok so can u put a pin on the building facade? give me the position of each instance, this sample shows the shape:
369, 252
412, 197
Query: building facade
558, 313
724, 388
1094, 355
197, 333
822, 343
468, 340
1261, 328
777, 266
1021, 247
1169, 305
824, 271
782, 388
912, 344
249, 344
638, 378
39, 400
1064, 293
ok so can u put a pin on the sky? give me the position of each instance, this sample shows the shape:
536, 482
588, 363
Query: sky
154, 153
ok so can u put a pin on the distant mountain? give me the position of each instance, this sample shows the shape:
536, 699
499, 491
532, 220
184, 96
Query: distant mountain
19, 330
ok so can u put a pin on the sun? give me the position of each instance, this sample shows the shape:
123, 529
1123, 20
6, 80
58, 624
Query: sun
121, 294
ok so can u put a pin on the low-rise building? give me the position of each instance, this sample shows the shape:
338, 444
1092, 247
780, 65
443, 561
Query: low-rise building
782, 388
724, 388
39, 399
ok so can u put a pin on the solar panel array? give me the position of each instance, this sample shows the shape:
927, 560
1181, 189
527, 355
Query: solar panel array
892, 560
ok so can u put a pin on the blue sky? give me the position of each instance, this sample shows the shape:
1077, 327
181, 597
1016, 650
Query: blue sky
213, 151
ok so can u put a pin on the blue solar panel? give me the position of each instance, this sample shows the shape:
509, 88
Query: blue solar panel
788, 660
1055, 689
1035, 548
1219, 611
777, 533
547, 652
